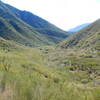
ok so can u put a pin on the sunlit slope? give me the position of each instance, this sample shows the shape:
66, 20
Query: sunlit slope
88, 37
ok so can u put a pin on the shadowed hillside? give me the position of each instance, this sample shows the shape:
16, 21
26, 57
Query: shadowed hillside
26, 28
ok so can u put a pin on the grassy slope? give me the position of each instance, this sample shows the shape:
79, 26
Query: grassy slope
88, 37
8, 32
14, 28
46, 73
40, 25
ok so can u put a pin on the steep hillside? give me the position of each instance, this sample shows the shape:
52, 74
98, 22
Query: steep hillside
18, 32
26, 28
88, 37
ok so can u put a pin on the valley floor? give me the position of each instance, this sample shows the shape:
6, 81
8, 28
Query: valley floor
48, 73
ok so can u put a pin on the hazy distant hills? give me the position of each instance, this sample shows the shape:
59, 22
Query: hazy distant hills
76, 29
27, 28
88, 37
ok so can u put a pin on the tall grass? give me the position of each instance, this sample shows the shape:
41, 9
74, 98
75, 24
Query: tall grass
25, 75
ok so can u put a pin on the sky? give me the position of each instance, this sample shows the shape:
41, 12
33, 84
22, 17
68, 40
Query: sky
65, 14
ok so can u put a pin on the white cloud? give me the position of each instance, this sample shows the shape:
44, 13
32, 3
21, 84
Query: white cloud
63, 13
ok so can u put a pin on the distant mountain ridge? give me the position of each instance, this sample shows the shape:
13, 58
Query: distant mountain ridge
78, 28
26, 28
